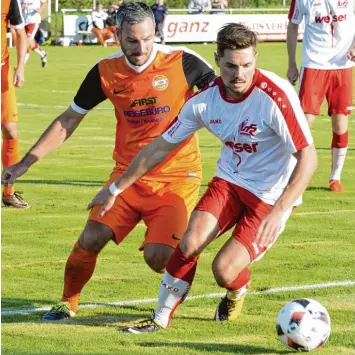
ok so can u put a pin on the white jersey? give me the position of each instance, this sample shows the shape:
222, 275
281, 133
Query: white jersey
329, 31
31, 10
99, 17
259, 132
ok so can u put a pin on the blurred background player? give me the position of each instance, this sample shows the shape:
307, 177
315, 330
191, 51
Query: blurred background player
196, 7
328, 50
111, 21
218, 5
10, 154
266, 163
147, 83
160, 12
102, 33
32, 15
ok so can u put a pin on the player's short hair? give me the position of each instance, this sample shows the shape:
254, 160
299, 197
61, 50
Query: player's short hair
235, 36
134, 12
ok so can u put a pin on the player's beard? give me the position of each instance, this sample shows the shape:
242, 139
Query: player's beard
137, 59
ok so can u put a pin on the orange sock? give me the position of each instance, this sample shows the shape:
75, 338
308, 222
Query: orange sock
78, 271
10, 155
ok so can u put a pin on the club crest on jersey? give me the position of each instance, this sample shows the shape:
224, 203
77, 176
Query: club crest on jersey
160, 82
246, 129
343, 4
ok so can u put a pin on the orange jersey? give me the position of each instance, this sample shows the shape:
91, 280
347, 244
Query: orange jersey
146, 100
10, 13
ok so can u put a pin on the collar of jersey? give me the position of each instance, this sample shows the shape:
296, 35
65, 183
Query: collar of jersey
143, 67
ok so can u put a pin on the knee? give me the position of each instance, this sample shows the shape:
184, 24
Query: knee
191, 247
224, 273
9, 130
95, 236
157, 256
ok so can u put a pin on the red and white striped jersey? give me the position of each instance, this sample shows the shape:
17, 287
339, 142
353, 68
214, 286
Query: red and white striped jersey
329, 31
259, 132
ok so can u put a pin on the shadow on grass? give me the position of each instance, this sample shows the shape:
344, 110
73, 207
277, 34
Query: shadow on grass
213, 348
318, 188
63, 182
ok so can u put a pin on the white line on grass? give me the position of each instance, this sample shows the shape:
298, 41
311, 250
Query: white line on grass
208, 295
322, 212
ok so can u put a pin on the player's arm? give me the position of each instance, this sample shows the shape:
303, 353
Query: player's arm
88, 96
351, 54
295, 18
197, 71
16, 20
151, 156
291, 125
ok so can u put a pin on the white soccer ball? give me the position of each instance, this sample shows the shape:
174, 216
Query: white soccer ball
303, 325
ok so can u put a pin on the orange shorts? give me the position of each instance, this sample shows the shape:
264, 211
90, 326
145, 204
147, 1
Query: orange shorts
334, 85
8, 97
164, 207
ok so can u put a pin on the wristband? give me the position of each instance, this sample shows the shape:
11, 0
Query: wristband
114, 190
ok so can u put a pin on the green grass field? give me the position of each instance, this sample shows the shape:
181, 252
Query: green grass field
317, 247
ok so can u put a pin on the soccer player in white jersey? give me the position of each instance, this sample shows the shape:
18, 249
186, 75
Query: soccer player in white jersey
267, 160
32, 16
328, 54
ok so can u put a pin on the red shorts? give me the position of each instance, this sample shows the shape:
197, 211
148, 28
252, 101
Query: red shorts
165, 208
31, 29
232, 205
334, 85
8, 96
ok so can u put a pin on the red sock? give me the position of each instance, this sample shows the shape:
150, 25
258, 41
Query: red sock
10, 155
340, 140
78, 271
241, 280
181, 266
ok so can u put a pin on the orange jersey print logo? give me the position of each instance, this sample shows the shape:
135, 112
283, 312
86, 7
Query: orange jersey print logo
160, 82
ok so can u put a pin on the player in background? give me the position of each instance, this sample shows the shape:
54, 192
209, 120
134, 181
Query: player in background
266, 163
32, 14
160, 12
98, 18
328, 54
10, 153
147, 84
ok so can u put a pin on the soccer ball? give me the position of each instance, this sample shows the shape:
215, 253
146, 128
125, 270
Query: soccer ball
303, 325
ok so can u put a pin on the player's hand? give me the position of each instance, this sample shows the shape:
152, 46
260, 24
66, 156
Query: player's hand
351, 54
19, 77
104, 198
268, 229
11, 173
292, 74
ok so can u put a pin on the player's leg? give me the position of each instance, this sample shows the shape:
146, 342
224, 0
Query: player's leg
214, 212
230, 266
115, 225
311, 95
31, 30
10, 153
339, 98
98, 33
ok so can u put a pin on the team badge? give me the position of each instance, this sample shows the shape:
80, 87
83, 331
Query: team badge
160, 82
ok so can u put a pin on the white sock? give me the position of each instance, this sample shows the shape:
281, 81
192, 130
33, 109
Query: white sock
39, 52
171, 292
26, 57
338, 159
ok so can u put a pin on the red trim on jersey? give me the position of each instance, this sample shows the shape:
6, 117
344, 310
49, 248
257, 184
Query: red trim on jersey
282, 101
292, 9
244, 96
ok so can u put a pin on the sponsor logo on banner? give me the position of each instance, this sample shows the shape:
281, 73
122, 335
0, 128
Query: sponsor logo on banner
160, 82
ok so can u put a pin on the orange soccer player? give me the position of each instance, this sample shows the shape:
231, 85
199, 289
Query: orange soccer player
147, 84
11, 13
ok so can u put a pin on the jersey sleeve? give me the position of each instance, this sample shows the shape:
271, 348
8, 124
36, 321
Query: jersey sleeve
197, 71
296, 12
90, 93
15, 14
289, 121
185, 125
